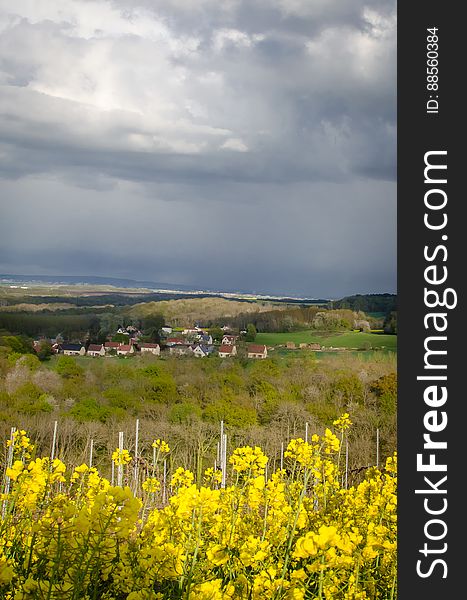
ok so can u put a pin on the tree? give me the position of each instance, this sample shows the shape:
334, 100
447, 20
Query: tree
217, 334
250, 333
44, 352
152, 326
67, 367
390, 322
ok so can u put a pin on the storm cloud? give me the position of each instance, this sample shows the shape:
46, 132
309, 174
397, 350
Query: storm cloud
231, 145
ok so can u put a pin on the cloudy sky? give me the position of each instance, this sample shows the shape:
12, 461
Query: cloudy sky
223, 144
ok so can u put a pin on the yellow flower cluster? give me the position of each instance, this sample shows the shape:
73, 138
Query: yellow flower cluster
249, 460
22, 447
295, 535
343, 422
161, 446
121, 457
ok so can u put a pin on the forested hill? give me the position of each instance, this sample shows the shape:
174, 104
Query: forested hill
368, 303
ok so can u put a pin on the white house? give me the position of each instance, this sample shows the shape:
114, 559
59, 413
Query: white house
228, 340
166, 330
108, 346
180, 350
125, 349
73, 349
151, 348
201, 351
227, 350
175, 342
257, 351
95, 350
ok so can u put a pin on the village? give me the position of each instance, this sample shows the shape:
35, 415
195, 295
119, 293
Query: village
195, 341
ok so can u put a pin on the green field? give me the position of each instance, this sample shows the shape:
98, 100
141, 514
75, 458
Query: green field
350, 339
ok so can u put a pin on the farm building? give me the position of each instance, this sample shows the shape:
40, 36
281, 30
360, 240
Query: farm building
95, 350
152, 348
226, 350
257, 351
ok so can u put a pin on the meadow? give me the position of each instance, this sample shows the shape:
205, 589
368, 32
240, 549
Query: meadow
349, 339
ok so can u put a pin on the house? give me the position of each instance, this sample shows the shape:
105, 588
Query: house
303, 345
73, 349
228, 340
314, 346
290, 345
125, 349
175, 342
180, 350
108, 346
202, 350
190, 331
226, 350
95, 350
225, 328
152, 348
257, 351
205, 339
166, 330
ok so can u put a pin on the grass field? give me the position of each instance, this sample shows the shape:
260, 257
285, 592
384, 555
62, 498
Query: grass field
351, 339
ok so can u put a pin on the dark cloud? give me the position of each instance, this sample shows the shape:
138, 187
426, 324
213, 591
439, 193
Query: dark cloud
234, 144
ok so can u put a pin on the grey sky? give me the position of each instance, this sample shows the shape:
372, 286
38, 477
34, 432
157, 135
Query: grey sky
230, 145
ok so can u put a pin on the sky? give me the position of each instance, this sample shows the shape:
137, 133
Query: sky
234, 145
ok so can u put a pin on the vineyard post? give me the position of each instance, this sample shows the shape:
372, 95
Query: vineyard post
135, 473
9, 462
377, 448
54, 441
120, 466
346, 461
91, 448
224, 459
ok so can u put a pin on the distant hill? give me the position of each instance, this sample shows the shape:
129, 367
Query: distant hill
369, 303
89, 279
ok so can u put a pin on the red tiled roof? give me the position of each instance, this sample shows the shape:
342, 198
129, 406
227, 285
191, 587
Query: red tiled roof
174, 341
125, 347
95, 347
149, 345
256, 349
112, 344
226, 348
